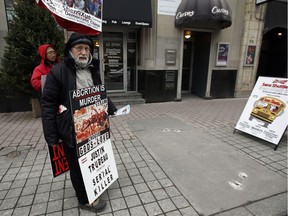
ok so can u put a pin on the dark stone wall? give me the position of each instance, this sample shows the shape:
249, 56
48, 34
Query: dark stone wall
158, 86
15, 104
223, 83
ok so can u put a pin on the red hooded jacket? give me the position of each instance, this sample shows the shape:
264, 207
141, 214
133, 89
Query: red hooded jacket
43, 68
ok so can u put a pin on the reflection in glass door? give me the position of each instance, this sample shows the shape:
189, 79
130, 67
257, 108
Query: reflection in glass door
131, 66
114, 75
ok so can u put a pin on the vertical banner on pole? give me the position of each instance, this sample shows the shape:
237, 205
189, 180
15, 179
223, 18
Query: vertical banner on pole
265, 114
93, 144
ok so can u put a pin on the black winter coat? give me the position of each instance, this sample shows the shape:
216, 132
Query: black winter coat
59, 82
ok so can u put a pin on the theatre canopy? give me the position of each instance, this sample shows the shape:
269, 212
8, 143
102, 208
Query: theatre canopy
203, 14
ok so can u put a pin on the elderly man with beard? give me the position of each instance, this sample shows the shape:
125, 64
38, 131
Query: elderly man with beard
77, 70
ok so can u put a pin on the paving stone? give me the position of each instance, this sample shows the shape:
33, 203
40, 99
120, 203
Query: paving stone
167, 205
10, 177
128, 190
13, 193
160, 194
38, 209
153, 209
41, 197
142, 187
180, 202
173, 213
69, 192
8, 203
160, 175
238, 211
70, 203
25, 200
43, 188
132, 201
32, 181
5, 185
55, 206
55, 195
137, 179
149, 177
133, 172
138, 211
153, 185
121, 213
23, 175
23, 211
118, 204
29, 190
13, 170
114, 193
172, 191
59, 213
57, 186
147, 197
74, 212
166, 182
6, 212
3, 194
276, 205
124, 182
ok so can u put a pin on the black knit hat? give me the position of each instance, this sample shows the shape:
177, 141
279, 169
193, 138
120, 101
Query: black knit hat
77, 38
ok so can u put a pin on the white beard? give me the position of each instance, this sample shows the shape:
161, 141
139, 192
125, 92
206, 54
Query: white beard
81, 63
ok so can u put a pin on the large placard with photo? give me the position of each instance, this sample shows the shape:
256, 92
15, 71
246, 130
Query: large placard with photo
265, 114
93, 144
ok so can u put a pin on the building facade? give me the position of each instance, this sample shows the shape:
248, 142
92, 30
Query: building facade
142, 49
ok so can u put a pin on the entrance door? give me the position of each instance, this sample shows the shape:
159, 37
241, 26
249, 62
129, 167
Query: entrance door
187, 65
113, 68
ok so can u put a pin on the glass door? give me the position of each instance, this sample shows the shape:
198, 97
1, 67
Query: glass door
114, 76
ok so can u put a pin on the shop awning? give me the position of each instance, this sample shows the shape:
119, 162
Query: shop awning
203, 14
127, 13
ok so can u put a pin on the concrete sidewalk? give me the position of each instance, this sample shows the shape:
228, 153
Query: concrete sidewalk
174, 158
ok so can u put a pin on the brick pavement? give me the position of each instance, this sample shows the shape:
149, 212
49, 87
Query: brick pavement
143, 187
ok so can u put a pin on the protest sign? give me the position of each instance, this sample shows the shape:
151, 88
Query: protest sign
123, 111
92, 132
59, 163
265, 114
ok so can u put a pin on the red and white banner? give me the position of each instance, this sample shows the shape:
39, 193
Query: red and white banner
76, 15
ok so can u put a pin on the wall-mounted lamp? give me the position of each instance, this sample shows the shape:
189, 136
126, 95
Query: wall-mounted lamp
187, 34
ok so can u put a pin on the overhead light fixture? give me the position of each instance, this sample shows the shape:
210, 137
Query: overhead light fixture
279, 34
187, 34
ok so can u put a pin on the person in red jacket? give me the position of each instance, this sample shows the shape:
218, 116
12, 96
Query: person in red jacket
48, 59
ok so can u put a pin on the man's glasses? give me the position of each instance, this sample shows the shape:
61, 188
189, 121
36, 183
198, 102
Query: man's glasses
80, 48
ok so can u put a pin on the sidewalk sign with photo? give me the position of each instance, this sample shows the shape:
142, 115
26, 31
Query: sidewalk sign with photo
92, 132
265, 114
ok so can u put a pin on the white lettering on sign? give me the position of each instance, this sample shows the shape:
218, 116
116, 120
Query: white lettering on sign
215, 9
185, 14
